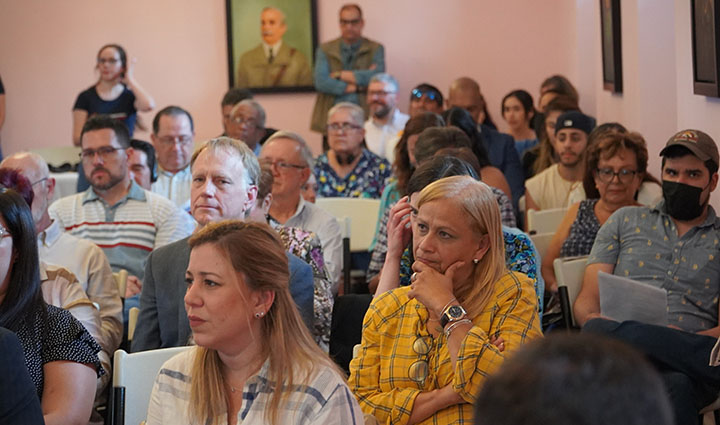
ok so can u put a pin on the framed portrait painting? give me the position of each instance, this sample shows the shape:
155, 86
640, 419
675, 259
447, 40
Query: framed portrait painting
705, 47
611, 45
271, 44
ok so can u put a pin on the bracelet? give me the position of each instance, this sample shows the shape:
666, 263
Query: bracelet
453, 325
447, 305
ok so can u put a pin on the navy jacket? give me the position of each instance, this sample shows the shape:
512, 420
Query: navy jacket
19, 404
502, 154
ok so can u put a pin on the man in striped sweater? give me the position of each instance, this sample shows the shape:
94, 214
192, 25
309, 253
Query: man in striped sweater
115, 213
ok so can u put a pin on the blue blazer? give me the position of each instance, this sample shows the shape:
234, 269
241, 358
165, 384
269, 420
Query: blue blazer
19, 403
163, 321
503, 155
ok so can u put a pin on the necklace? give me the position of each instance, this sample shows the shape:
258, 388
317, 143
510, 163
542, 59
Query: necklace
232, 389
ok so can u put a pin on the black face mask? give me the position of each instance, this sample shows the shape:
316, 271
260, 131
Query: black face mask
682, 201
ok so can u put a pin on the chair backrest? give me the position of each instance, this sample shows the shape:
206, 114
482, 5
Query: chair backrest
363, 213
121, 281
544, 221
58, 155
346, 329
569, 273
132, 322
541, 242
133, 379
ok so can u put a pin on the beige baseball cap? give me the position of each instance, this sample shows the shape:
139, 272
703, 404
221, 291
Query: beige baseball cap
699, 143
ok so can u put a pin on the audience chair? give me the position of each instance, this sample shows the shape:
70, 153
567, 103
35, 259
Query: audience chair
132, 322
121, 282
544, 221
133, 379
358, 219
59, 155
346, 328
569, 273
541, 242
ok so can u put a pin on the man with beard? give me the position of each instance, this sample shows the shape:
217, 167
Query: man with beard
675, 246
247, 123
273, 63
551, 188
386, 120
124, 220
173, 134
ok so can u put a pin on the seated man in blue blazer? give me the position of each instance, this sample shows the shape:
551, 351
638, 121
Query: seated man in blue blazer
465, 93
224, 176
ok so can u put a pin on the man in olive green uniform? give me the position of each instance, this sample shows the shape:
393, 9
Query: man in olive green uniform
344, 66
273, 63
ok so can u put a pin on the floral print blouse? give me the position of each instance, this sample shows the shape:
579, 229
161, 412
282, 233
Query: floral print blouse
367, 180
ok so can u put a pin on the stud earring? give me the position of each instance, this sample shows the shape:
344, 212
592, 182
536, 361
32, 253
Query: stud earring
259, 314
475, 261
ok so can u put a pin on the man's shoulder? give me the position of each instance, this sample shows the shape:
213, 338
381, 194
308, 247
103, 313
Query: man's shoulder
68, 202
255, 53
495, 136
160, 204
542, 175
171, 252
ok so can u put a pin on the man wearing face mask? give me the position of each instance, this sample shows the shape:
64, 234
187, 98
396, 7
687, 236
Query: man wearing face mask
675, 246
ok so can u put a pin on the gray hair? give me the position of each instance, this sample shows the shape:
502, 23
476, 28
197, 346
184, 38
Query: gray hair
356, 112
305, 151
282, 14
385, 78
249, 161
256, 107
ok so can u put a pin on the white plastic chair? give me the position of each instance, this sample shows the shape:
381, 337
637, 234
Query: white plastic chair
132, 322
133, 379
541, 242
363, 214
544, 221
58, 155
569, 273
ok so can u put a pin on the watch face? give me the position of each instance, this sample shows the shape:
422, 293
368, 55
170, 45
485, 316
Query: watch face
455, 312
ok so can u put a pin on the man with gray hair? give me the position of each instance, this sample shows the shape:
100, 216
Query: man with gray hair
273, 63
224, 173
247, 123
291, 161
385, 120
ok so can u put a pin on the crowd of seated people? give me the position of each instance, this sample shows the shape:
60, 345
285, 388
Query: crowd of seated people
227, 252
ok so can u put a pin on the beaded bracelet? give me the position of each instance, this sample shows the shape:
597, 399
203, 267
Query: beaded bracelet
453, 325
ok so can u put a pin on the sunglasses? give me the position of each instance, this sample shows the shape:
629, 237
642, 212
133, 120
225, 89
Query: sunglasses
418, 94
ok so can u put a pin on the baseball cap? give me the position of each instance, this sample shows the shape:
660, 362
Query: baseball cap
576, 120
699, 143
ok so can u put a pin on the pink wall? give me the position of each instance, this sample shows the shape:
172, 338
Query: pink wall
48, 51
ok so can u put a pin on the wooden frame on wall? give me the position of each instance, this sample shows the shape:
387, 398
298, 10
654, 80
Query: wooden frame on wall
611, 40
250, 66
705, 15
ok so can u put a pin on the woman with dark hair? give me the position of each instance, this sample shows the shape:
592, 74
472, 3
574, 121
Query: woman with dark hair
60, 354
460, 118
427, 348
552, 87
116, 92
255, 362
518, 111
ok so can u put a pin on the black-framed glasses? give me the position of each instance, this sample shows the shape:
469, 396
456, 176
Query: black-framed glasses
420, 369
418, 94
282, 165
606, 175
344, 126
240, 120
171, 140
103, 152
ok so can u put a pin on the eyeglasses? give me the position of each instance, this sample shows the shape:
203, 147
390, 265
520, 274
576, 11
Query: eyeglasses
249, 121
172, 140
39, 181
345, 126
104, 153
417, 94
110, 61
419, 369
381, 93
350, 21
278, 165
606, 175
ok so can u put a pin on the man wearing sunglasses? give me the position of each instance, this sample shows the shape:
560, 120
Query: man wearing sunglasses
425, 98
344, 66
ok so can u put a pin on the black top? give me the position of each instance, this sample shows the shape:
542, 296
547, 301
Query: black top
19, 405
122, 108
60, 337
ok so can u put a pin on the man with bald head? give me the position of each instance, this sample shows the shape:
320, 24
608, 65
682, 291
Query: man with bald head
273, 63
465, 93
82, 257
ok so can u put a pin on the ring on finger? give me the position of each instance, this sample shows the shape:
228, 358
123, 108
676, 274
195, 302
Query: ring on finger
413, 277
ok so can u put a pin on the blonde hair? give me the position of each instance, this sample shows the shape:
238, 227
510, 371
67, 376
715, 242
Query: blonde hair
479, 205
282, 327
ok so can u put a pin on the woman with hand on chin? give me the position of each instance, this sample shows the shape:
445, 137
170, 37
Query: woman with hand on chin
255, 361
427, 348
